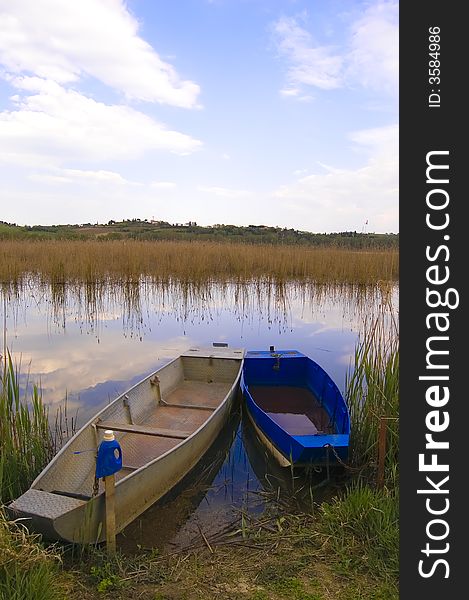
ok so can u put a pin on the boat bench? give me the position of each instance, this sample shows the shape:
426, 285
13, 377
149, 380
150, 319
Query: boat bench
194, 406
143, 430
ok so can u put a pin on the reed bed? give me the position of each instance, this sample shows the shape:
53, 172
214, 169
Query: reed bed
372, 390
26, 441
92, 261
360, 527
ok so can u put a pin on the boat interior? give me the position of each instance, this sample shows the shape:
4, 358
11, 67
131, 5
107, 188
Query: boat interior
295, 409
150, 419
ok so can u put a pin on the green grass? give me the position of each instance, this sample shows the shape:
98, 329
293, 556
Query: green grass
28, 571
26, 441
361, 529
372, 393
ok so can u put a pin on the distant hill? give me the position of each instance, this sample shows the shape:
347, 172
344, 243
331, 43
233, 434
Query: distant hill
161, 230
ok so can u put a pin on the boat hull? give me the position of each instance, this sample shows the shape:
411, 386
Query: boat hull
289, 372
82, 521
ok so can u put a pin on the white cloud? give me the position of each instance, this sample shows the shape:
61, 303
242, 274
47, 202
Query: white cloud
79, 366
163, 185
65, 41
49, 179
309, 64
290, 92
383, 139
374, 56
350, 197
80, 176
369, 57
223, 192
53, 124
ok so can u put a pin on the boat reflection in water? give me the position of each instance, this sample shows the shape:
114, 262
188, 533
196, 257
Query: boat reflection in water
296, 488
236, 476
205, 502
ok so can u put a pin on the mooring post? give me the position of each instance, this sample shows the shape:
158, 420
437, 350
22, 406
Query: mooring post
108, 462
109, 494
381, 451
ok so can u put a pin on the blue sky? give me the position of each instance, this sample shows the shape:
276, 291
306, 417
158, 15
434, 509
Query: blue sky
277, 112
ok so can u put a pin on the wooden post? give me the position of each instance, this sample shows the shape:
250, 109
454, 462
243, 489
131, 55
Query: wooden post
109, 489
381, 452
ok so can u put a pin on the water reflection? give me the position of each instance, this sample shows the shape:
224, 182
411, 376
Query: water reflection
134, 304
236, 478
91, 342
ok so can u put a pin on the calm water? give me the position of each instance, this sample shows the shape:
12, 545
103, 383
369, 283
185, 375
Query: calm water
91, 343
306, 416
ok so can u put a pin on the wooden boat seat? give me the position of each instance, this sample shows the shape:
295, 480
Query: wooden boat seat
142, 429
179, 405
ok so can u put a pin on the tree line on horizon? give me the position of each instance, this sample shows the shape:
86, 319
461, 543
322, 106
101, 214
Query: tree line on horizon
162, 230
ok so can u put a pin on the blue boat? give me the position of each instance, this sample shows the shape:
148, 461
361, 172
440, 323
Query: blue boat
297, 410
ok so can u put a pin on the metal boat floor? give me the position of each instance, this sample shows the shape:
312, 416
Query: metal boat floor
139, 449
45, 504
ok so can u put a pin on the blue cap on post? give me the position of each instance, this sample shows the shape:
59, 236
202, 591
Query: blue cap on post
109, 459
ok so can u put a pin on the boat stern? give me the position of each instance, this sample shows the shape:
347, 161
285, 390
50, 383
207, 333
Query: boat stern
54, 516
320, 450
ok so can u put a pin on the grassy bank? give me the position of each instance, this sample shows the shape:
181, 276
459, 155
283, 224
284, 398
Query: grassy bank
292, 557
286, 558
92, 261
28, 571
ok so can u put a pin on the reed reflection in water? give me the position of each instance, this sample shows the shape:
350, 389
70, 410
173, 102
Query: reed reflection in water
136, 302
92, 341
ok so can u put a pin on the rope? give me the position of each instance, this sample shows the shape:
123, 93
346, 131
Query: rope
96, 481
327, 463
341, 462
95, 487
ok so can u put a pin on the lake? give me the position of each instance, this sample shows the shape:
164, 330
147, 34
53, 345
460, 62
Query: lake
89, 343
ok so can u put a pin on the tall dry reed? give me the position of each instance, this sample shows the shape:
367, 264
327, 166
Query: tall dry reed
92, 261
